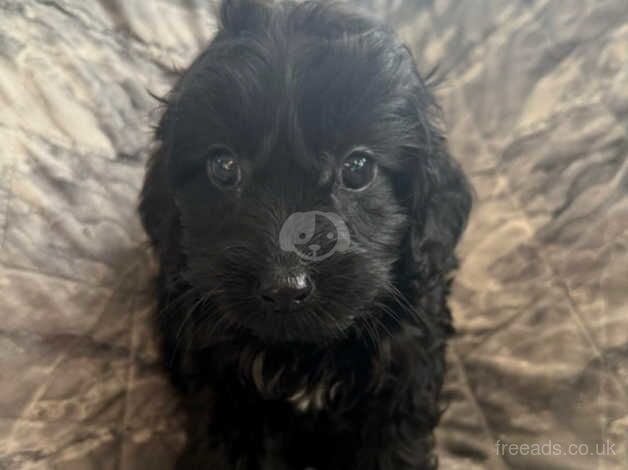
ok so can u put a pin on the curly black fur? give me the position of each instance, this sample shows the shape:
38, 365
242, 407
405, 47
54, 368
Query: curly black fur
352, 381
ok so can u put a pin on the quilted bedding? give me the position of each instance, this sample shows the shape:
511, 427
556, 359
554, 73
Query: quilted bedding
535, 96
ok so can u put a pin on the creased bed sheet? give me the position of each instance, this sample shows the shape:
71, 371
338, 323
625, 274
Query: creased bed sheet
535, 96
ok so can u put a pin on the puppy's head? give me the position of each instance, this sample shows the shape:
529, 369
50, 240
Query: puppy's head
301, 180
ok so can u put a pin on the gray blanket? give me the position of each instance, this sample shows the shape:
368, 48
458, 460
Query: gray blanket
535, 95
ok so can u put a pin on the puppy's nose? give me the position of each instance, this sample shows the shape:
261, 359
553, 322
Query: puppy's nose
286, 292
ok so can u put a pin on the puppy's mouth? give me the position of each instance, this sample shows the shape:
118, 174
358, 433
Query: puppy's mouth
285, 302
307, 325
291, 315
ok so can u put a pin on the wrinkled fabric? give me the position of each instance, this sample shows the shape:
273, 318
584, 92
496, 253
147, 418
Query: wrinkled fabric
535, 100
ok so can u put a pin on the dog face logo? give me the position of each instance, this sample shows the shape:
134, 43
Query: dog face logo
314, 235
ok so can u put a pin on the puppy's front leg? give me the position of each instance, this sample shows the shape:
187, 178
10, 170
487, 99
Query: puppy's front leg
203, 452
274, 462
404, 454
403, 443
198, 456
206, 449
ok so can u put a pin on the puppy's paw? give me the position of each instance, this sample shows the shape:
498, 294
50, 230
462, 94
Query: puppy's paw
203, 458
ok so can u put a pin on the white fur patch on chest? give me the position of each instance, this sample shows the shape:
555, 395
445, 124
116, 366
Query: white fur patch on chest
314, 399
311, 397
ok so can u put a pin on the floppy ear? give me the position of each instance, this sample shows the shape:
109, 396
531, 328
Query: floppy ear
157, 207
441, 205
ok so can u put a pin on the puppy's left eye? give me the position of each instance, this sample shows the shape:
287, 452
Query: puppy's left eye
358, 170
223, 167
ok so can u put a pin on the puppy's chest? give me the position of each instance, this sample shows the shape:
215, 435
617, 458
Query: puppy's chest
306, 385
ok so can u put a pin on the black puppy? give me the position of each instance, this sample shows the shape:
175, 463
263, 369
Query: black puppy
305, 212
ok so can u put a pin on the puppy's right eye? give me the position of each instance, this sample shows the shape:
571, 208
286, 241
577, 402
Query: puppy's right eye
223, 167
358, 170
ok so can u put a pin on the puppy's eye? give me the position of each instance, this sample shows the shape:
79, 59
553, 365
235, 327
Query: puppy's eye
358, 170
223, 167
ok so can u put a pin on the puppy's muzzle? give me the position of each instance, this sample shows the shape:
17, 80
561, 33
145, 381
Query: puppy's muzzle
285, 292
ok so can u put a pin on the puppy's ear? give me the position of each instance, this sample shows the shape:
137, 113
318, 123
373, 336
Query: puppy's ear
441, 205
157, 208
240, 16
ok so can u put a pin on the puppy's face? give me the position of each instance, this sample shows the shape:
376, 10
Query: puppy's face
293, 164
